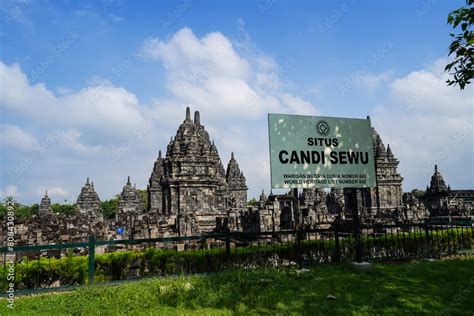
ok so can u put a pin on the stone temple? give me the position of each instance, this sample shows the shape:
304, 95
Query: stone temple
45, 205
388, 193
89, 207
189, 189
442, 201
190, 192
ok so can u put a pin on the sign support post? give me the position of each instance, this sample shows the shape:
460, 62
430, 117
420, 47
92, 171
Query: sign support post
296, 211
353, 204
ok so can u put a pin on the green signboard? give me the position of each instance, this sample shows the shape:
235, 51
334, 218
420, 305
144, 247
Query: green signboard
320, 152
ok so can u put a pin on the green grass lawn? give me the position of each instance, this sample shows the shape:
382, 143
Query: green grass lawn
441, 287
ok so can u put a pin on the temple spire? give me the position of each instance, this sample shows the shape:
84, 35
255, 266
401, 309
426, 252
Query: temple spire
389, 151
197, 118
188, 115
88, 202
437, 183
159, 154
232, 156
128, 180
45, 205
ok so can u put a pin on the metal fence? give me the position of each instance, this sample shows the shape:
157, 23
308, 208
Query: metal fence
56, 267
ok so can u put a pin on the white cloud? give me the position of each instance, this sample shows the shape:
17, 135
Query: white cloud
372, 81
61, 90
298, 105
184, 51
75, 134
9, 190
103, 131
14, 137
70, 139
427, 123
266, 63
105, 108
232, 91
426, 90
17, 94
209, 73
56, 191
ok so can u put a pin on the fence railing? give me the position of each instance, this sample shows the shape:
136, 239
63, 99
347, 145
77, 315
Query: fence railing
53, 267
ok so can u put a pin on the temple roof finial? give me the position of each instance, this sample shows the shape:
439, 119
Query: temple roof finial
188, 114
128, 180
436, 168
87, 181
389, 151
197, 118
46, 193
159, 154
232, 155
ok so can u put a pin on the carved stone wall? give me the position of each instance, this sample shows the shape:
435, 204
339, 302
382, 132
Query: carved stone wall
441, 201
190, 193
189, 188
388, 193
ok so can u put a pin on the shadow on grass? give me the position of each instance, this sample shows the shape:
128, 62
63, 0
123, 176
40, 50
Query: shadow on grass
394, 288
443, 287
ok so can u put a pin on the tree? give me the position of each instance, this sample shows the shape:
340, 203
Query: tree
110, 207
144, 196
23, 210
418, 193
20, 210
34, 209
9, 199
3, 210
462, 46
253, 201
65, 209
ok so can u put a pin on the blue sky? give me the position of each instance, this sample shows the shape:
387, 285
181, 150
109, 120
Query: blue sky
80, 80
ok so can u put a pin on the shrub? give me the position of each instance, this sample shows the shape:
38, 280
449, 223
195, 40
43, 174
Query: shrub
72, 270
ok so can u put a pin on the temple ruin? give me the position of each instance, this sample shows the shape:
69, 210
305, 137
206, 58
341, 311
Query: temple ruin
190, 192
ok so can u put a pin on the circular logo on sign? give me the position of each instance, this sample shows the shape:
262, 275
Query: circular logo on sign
322, 127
